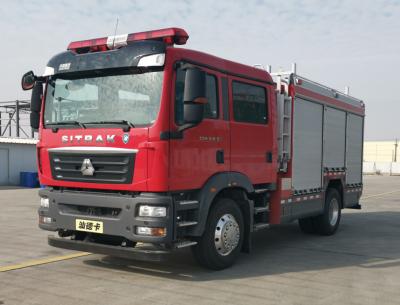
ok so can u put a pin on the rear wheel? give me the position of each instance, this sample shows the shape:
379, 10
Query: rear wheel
222, 239
327, 223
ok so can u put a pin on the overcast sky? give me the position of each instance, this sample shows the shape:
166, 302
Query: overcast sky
338, 43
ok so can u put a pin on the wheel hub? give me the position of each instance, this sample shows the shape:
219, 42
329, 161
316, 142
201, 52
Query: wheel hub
333, 211
227, 234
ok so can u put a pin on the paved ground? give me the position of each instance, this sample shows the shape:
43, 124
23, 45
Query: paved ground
359, 265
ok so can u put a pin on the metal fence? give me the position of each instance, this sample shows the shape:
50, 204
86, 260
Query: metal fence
14, 119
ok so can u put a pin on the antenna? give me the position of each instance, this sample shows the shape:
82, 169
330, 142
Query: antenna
115, 32
294, 68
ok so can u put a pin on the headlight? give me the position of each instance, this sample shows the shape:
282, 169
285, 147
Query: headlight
43, 219
152, 211
44, 202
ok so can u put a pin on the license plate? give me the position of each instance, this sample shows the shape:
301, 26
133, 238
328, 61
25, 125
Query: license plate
89, 226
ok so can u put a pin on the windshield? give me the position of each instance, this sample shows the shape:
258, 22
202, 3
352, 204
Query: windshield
134, 98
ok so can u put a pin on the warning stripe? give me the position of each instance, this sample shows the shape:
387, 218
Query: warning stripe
42, 261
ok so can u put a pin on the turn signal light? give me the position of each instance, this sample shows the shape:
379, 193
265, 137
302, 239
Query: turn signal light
147, 231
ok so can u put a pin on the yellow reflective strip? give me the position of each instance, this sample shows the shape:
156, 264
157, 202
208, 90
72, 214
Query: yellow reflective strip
42, 261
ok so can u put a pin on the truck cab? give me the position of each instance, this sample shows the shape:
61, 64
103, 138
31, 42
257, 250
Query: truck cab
130, 154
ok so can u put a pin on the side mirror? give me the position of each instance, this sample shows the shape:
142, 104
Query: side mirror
194, 97
36, 104
28, 80
36, 98
35, 119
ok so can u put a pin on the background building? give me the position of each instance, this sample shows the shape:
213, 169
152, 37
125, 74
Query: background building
381, 157
16, 155
381, 151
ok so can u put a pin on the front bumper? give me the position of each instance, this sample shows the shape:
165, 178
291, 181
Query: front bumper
66, 206
138, 253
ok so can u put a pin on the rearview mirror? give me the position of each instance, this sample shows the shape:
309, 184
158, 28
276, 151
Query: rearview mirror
36, 104
35, 118
28, 80
194, 97
195, 85
36, 98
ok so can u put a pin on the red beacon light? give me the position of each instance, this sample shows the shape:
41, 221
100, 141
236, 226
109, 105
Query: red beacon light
169, 36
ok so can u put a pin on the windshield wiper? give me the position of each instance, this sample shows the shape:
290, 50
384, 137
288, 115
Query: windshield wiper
127, 127
76, 123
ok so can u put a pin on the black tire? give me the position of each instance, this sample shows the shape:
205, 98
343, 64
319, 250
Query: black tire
325, 224
307, 225
205, 251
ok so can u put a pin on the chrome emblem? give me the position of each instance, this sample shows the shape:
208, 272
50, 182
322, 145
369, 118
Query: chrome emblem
110, 138
87, 168
125, 138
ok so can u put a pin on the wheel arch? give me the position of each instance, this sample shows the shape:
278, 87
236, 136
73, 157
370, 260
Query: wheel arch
232, 185
337, 184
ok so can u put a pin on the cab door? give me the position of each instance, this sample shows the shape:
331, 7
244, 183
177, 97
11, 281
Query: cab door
203, 150
253, 152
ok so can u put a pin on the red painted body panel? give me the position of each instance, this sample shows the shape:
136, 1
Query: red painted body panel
151, 162
49, 139
250, 143
193, 158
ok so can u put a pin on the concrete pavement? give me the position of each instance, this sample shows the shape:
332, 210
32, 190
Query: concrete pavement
358, 265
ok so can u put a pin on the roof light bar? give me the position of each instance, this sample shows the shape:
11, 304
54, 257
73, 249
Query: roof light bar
170, 36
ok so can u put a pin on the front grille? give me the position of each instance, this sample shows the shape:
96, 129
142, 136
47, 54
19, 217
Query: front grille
74, 209
108, 168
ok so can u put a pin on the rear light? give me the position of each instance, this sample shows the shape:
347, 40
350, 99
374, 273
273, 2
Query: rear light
169, 36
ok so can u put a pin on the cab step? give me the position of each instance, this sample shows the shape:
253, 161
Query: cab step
186, 223
185, 243
187, 205
258, 210
261, 191
260, 226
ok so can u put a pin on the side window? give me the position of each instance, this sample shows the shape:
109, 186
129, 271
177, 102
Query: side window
249, 103
210, 109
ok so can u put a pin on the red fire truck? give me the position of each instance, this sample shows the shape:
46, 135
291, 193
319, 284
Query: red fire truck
145, 148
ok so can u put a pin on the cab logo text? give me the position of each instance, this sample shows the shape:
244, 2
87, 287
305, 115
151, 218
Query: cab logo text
88, 138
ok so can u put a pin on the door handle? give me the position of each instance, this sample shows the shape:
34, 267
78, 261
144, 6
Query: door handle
220, 156
269, 157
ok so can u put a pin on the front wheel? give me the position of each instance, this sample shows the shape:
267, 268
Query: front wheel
222, 239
